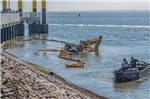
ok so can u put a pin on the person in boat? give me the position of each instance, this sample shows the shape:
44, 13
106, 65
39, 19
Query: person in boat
124, 64
133, 62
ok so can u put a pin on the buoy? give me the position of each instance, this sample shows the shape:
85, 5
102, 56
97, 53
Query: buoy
79, 14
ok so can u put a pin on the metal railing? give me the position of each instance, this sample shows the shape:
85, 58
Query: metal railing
30, 17
30, 14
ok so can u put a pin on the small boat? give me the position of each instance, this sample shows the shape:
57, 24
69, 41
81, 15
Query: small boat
75, 65
132, 74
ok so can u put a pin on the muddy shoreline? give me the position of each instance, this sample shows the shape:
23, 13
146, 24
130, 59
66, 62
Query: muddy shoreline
20, 79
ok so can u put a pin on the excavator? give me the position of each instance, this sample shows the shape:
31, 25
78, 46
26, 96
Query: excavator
83, 47
75, 49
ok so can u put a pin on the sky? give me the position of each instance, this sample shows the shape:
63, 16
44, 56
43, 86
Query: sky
83, 5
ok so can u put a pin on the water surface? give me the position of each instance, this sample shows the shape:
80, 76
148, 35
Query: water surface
125, 34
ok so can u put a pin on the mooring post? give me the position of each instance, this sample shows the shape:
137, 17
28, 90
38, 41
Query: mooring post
17, 27
29, 28
22, 28
4, 5
33, 25
12, 29
34, 6
20, 7
2, 34
44, 25
3, 31
38, 28
4, 39
9, 31
15, 31
6, 32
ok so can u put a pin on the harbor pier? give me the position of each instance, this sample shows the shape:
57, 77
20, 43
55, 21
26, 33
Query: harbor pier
12, 23
11, 26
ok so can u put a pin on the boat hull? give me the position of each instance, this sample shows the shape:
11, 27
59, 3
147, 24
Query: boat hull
130, 76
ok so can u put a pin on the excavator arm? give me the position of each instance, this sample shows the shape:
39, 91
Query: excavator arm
88, 43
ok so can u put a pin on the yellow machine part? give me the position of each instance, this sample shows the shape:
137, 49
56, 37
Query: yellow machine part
19, 4
34, 4
4, 4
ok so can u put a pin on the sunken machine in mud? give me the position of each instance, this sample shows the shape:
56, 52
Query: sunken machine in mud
76, 49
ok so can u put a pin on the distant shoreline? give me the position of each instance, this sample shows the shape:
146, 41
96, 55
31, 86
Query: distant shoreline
92, 11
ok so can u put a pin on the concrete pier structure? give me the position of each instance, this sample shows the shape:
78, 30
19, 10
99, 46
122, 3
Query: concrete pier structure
12, 23
11, 26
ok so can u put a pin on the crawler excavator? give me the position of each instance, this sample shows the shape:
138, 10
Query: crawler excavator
83, 47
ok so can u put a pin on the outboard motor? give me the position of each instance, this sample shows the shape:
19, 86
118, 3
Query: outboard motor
119, 76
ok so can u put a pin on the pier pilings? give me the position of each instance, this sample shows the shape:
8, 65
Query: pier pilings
11, 26
44, 25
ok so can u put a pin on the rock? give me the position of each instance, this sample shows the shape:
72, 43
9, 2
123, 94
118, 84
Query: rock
51, 73
21, 81
7, 90
5, 82
3, 72
2, 62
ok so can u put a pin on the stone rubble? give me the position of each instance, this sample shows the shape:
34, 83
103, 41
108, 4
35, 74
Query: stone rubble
21, 81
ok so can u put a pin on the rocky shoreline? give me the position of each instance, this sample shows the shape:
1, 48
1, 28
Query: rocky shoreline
19, 80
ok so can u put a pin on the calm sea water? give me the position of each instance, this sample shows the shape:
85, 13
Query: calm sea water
125, 34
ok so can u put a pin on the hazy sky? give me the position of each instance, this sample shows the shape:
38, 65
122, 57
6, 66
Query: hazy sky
82, 5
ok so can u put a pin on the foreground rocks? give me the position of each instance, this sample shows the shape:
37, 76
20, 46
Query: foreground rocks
21, 81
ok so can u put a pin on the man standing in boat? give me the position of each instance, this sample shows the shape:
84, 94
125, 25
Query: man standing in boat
124, 64
133, 62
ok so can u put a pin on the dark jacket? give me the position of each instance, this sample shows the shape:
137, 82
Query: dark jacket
133, 63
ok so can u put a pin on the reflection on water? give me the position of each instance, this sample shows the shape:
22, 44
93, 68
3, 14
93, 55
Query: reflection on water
126, 84
97, 53
131, 83
14, 45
